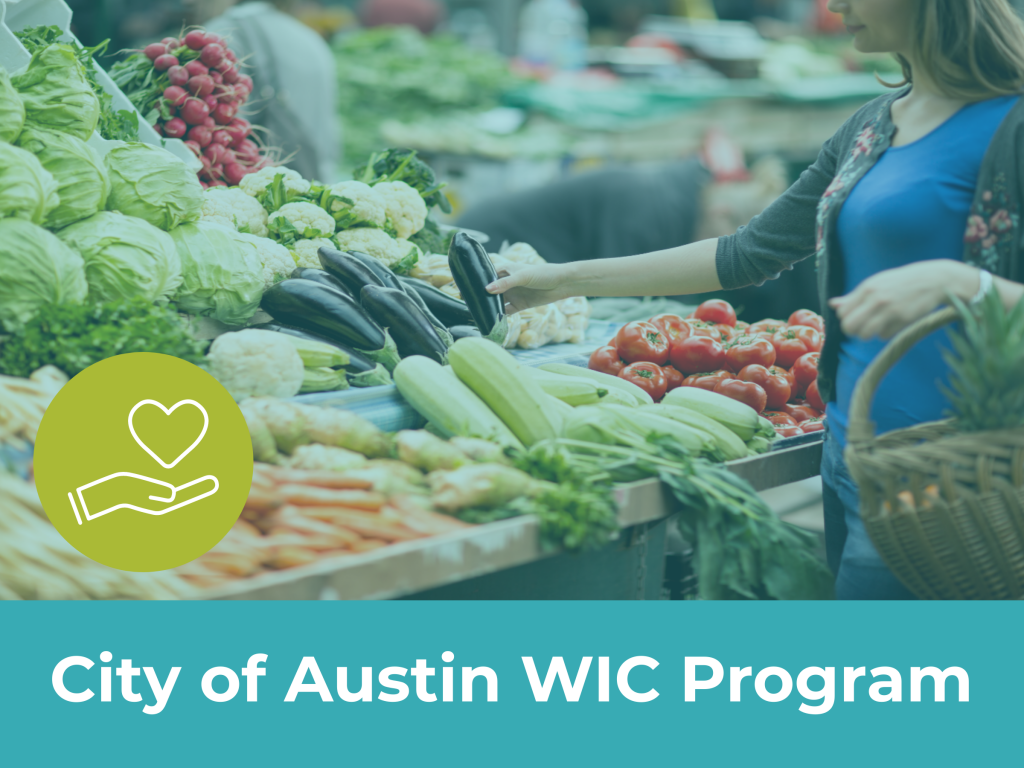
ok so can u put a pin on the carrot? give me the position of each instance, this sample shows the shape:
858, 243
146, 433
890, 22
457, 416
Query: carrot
366, 524
405, 510
368, 545
262, 501
318, 478
310, 496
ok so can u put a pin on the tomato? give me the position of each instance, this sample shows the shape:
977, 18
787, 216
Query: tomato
789, 346
720, 333
780, 419
606, 360
746, 392
788, 374
672, 326
696, 354
775, 385
805, 370
812, 425
811, 337
716, 311
673, 378
766, 326
749, 350
706, 381
808, 318
727, 331
648, 376
813, 398
741, 326
788, 431
799, 412
641, 342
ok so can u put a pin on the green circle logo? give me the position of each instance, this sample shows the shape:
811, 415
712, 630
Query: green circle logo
143, 462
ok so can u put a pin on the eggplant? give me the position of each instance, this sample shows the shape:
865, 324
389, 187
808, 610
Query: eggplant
352, 273
449, 310
473, 272
411, 329
386, 276
320, 309
464, 331
319, 276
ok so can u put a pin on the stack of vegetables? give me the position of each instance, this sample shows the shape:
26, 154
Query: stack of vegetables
770, 365
193, 88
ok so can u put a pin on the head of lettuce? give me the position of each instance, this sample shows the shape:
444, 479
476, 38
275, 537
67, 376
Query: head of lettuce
125, 257
82, 183
27, 190
153, 185
12, 111
56, 93
37, 269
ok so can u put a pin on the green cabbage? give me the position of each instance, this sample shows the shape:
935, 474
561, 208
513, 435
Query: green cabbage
152, 184
125, 257
82, 182
56, 92
221, 274
37, 269
27, 190
12, 111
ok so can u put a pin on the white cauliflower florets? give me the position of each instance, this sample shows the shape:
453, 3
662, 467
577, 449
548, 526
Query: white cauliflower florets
433, 268
406, 210
304, 252
310, 220
521, 253
252, 363
359, 204
275, 259
231, 207
376, 243
254, 183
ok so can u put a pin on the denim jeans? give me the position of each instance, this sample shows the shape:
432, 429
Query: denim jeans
860, 572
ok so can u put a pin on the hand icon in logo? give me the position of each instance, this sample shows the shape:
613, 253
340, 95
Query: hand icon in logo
128, 485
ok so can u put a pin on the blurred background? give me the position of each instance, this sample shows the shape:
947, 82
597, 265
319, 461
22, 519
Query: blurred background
590, 129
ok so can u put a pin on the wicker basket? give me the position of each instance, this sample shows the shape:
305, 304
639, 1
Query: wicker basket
945, 509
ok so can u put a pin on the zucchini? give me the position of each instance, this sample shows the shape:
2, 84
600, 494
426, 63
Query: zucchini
450, 311
323, 380
328, 312
317, 354
739, 417
361, 370
350, 271
450, 406
319, 276
409, 327
381, 270
603, 380
493, 374
464, 331
473, 271
731, 446
571, 390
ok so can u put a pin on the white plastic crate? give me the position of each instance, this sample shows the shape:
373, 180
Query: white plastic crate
19, 14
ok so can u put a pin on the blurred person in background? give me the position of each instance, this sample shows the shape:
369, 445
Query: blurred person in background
293, 72
425, 15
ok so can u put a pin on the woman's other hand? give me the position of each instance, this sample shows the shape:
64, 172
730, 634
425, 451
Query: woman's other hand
889, 301
533, 285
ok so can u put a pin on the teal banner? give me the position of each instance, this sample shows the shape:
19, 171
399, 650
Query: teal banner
510, 684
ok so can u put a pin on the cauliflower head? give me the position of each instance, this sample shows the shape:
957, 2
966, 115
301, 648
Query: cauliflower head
304, 252
521, 253
300, 220
255, 183
275, 259
354, 203
377, 243
253, 363
406, 210
231, 207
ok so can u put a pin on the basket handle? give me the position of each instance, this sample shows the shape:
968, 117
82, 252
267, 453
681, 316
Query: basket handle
862, 429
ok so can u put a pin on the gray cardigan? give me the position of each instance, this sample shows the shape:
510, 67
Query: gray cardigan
802, 222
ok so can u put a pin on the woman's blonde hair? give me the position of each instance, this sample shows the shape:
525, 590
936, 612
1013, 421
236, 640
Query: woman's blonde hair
971, 48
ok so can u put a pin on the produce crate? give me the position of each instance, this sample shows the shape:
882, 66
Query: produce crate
16, 15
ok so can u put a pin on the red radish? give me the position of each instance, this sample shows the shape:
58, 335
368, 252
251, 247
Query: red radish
229, 73
196, 149
164, 62
217, 171
224, 114
204, 185
227, 157
211, 39
154, 51
211, 102
230, 55
200, 85
215, 152
239, 129
159, 129
212, 55
175, 94
175, 128
234, 173
218, 184
196, 68
178, 75
216, 76
200, 134
210, 123
246, 82
195, 39
194, 111
171, 43
248, 148
222, 137
230, 94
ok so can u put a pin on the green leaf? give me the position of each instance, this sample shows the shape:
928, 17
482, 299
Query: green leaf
405, 266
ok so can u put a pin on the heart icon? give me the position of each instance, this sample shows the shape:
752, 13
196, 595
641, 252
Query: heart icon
168, 412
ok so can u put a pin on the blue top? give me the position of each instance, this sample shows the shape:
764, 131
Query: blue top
911, 206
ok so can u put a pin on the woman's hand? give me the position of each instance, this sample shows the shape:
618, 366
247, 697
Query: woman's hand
887, 302
531, 285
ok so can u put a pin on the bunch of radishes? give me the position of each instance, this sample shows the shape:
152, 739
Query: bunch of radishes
200, 104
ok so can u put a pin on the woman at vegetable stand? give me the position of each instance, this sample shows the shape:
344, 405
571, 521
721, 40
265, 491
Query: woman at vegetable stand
915, 198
